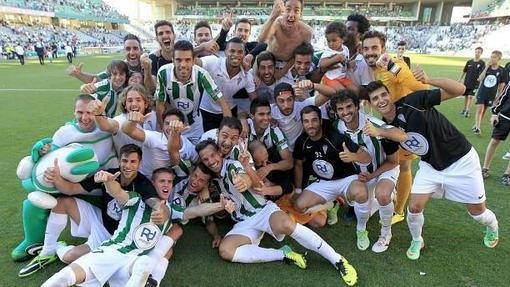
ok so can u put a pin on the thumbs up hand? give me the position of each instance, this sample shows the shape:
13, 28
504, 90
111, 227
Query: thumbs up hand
346, 155
98, 107
89, 88
52, 174
159, 214
239, 182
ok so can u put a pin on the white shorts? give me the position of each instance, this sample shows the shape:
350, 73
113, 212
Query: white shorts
91, 224
391, 175
255, 226
330, 189
461, 182
105, 264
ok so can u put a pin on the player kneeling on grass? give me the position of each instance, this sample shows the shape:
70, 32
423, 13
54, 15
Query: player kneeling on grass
96, 223
136, 234
381, 172
156, 262
449, 165
255, 216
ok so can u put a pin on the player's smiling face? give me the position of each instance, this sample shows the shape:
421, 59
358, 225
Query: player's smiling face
129, 165
372, 50
198, 180
285, 102
227, 138
292, 13
262, 118
118, 79
381, 100
133, 52
312, 124
202, 35
135, 102
302, 64
335, 42
83, 117
211, 158
235, 54
135, 78
243, 31
183, 61
347, 111
163, 182
165, 37
266, 72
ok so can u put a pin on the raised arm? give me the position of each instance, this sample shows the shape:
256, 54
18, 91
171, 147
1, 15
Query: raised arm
130, 126
449, 88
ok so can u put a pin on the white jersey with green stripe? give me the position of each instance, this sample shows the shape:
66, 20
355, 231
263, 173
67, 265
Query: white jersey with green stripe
186, 96
101, 142
182, 196
248, 203
135, 213
371, 144
272, 137
104, 88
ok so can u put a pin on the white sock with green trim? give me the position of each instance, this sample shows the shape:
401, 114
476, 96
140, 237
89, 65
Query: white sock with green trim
312, 241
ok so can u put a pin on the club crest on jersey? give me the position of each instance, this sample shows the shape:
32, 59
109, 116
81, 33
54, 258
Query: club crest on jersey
490, 81
146, 235
184, 105
114, 210
416, 144
323, 168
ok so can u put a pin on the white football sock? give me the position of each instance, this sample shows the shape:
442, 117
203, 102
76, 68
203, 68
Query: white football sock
162, 247
312, 241
158, 273
487, 218
386, 213
415, 223
62, 250
56, 224
362, 211
319, 207
63, 278
251, 253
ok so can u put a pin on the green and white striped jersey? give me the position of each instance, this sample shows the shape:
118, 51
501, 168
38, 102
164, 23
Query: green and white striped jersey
104, 88
135, 215
377, 148
272, 138
248, 203
186, 96
183, 196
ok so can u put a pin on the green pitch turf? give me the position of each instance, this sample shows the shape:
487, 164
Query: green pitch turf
35, 101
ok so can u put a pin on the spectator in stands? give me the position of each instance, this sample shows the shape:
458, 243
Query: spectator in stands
401, 49
20, 52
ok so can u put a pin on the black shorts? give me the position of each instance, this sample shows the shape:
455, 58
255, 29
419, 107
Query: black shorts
501, 129
470, 92
484, 99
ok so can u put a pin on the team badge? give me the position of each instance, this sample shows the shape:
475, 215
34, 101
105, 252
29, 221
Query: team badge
323, 168
490, 81
146, 235
416, 143
184, 105
113, 210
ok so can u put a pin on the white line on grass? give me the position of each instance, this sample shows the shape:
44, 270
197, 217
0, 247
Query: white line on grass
39, 90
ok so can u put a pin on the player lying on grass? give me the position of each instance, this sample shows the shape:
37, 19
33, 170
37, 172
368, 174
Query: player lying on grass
449, 165
255, 216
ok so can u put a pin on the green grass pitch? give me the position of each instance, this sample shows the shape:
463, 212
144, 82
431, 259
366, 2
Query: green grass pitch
36, 100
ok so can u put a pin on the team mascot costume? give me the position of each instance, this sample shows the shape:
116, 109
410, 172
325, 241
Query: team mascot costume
76, 162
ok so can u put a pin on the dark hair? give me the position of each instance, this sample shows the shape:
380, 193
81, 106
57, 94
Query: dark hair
161, 170
205, 169
497, 53
372, 86
132, 37
235, 40
231, 122
337, 28
401, 43
374, 34
304, 49
363, 23
202, 24
310, 109
129, 149
479, 48
342, 97
283, 87
118, 65
84, 97
183, 45
163, 23
300, 1
257, 103
265, 56
243, 20
173, 112
203, 144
